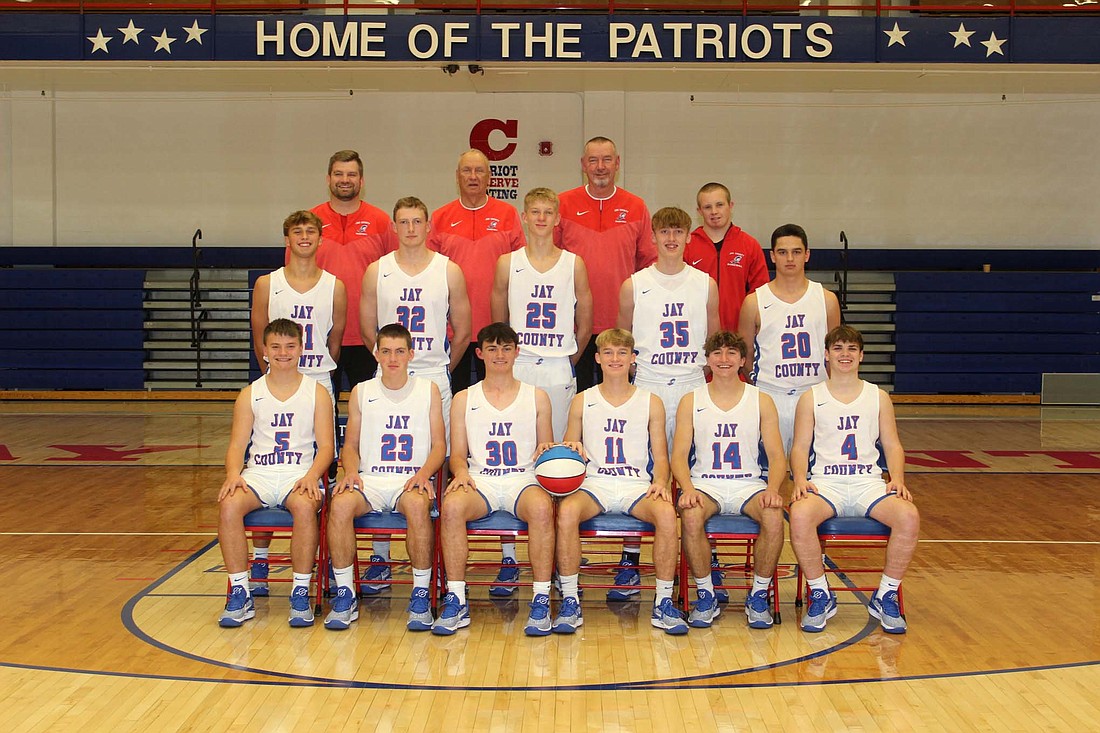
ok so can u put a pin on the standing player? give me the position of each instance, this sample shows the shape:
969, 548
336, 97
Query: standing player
280, 446
620, 429
609, 228
425, 292
354, 234
492, 458
395, 444
542, 292
474, 230
725, 252
721, 429
316, 301
670, 308
307, 295
784, 325
842, 427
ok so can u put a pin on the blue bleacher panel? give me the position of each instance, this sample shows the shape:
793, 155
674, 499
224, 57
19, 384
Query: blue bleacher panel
997, 332
71, 329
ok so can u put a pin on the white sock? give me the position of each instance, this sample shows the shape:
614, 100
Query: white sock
260, 553
541, 588
760, 584
422, 578
508, 549
458, 587
381, 549
664, 590
301, 580
345, 577
240, 579
887, 584
818, 583
704, 584
569, 586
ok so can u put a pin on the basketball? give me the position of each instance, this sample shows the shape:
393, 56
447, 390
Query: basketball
560, 470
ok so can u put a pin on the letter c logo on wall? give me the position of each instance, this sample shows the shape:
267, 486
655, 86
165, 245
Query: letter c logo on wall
479, 138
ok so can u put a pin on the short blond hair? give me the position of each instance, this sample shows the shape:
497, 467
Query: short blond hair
615, 337
540, 194
671, 217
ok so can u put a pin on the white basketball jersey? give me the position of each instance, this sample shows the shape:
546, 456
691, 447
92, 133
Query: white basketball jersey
727, 442
282, 432
846, 437
616, 439
790, 346
501, 442
396, 434
670, 323
312, 311
542, 305
420, 303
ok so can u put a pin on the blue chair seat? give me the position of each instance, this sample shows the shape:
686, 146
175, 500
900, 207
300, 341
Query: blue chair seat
852, 526
611, 523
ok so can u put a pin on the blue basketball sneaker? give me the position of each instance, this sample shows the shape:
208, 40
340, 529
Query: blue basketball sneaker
538, 623
345, 609
627, 576
420, 611
374, 580
301, 609
238, 609
704, 610
509, 573
888, 611
666, 616
822, 608
260, 570
452, 617
758, 610
569, 617
717, 579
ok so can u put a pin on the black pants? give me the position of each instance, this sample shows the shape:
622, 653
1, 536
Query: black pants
588, 371
470, 371
357, 363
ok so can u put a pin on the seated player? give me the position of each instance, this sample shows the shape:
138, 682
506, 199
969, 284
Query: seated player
280, 447
721, 429
394, 445
492, 463
842, 428
620, 429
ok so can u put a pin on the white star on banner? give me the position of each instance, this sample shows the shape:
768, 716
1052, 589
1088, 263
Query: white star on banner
993, 45
962, 36
896, 36
194, 33
130, 33
164, 42
100, 41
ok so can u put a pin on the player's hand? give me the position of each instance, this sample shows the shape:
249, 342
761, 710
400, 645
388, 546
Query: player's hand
690, 498
542, 448
900, 490
420, 482
348, 483
660, 492
232, 485
802, 489
771, 500
460, 483
577, 446
309, 486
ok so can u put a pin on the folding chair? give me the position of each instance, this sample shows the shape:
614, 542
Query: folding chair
499, 525
279, 523
732, 536
847, 534
602, 536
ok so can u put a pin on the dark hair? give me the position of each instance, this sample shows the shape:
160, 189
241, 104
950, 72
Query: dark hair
283, 327
790, 230
724, 340
345, 156
844, 333
394, 331
496, 333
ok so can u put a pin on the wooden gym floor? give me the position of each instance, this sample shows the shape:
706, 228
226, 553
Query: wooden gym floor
114, 585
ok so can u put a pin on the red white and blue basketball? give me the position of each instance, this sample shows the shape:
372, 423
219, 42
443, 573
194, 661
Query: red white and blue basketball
560, 470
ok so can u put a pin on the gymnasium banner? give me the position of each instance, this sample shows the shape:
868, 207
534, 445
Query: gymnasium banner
468, 39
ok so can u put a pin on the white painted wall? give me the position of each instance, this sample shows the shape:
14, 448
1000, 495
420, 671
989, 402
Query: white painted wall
893, 170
